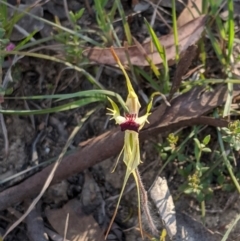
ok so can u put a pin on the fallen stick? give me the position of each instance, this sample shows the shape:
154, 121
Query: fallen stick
185, 110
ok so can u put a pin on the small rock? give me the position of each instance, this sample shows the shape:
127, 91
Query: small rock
26, 23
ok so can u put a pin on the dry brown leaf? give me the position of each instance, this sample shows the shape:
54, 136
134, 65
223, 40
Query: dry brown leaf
188, 35
182, 67
189, 108
191, 11
81, 227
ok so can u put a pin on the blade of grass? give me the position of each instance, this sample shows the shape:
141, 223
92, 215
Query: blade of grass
149, 60
125, 23
69, 106
3, 13
101, 17
205, 6
227, 106
221, 28
231, 32
25, 40
163, 56
215, 8
226, 161
216, 47
231, 226
175, 32
86, 93
147, 76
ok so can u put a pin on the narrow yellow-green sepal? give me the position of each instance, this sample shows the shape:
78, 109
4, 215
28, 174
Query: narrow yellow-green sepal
149, 105
117, 160
114, 106
129, 85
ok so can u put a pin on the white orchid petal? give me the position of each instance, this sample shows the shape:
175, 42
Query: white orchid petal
120, 119
142, 120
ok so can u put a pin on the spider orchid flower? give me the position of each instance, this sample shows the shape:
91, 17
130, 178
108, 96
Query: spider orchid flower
131, 124
130, 121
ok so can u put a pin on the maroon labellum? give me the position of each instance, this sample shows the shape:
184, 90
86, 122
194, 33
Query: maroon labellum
130, 123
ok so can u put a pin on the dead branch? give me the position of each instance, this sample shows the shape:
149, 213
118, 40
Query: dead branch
186, 110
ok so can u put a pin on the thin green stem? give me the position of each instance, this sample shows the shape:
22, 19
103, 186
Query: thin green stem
203, 211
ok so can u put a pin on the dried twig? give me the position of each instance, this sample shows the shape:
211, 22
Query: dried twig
35, 225
185, 110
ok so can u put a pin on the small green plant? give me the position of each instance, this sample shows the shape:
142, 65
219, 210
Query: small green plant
172, 140
231, 135
195, 185
224, 55
72, 43
105, 19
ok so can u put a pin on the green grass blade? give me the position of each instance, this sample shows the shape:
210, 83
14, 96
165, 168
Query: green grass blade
25, 40
87, 93
226, 161
205, 6
100, 14
3, 13
162, 54
231, 226
125, 23
175, 32
151, 81
227, 107
231, 32
65, 107
221, 28
216, 47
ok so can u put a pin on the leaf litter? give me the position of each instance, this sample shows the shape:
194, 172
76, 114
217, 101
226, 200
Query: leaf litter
81, 225
192, 10
188, 35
